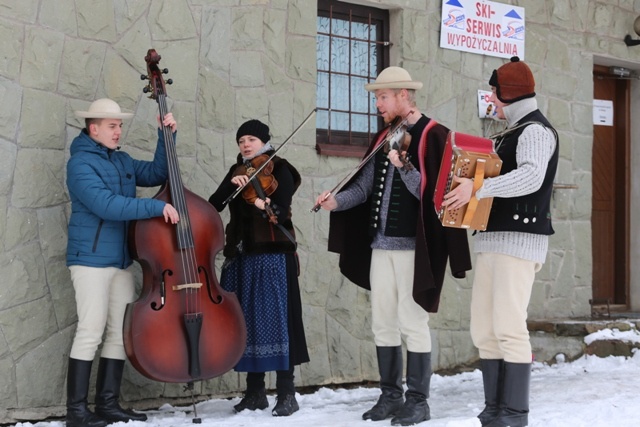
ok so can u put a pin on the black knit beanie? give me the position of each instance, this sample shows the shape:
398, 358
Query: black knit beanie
513, 81
254, 128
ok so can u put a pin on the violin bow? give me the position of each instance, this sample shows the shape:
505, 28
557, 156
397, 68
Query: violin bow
389, 137
239, 189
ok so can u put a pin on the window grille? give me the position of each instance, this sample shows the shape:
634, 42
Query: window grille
352, 48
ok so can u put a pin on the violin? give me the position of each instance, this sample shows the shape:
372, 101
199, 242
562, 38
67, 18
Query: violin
265, 177
262, 186
399, 141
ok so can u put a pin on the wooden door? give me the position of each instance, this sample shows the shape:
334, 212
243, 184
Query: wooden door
610, 193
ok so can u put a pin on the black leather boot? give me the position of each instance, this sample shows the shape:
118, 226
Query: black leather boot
415, 409
286, 403
108, 392
514, 400
255, 397
492, 381
78, 415
390, 369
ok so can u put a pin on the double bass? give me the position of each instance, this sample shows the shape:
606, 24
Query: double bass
184, 327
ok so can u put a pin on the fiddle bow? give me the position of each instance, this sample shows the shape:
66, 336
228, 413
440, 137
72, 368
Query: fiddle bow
396, 133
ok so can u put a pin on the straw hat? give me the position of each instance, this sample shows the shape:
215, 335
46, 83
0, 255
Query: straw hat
393, 78
104, 108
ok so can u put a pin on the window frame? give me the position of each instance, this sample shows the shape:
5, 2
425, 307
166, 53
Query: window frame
347, 143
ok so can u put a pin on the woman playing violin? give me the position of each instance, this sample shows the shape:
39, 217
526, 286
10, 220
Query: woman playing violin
261, 267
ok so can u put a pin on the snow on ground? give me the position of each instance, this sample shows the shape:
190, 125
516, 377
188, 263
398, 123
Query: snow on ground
589, 392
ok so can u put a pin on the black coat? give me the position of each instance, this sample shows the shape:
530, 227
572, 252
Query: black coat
248, 224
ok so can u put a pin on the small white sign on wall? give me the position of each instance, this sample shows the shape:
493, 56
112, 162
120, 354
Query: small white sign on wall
602, 112
486, 109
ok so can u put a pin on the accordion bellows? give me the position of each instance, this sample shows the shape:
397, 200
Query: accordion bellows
466, 156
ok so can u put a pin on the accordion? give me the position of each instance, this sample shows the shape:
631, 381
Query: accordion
466, 156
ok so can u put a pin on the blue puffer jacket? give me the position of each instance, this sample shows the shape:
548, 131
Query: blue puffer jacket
102, 186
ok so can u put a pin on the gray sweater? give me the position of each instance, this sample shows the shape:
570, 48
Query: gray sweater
360, 190
535, 147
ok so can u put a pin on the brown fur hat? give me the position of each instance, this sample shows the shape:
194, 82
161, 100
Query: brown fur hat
513, 81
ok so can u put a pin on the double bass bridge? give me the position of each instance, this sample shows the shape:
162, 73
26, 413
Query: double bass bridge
187, 286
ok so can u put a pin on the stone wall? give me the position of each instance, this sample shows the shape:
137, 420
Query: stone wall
232, 60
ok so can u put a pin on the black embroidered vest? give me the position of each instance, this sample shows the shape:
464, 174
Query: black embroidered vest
404, 207
530, 213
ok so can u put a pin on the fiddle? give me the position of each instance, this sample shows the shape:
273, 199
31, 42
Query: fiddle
399, 141
262, 186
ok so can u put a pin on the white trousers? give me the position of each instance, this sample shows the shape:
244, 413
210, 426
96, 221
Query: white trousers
394, 312
102, 295
499, 299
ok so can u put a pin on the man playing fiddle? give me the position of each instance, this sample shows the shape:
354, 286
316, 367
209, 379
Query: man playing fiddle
385, 228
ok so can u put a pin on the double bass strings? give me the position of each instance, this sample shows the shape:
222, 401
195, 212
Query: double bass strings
186, 245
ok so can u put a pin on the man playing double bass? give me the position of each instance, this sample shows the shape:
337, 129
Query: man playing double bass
102, 187
385, 228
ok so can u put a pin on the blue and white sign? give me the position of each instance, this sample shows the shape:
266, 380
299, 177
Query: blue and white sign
483, 27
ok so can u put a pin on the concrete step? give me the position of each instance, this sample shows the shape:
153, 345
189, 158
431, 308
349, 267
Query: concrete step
569, 339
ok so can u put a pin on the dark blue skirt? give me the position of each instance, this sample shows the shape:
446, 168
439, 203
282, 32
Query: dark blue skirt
260, 282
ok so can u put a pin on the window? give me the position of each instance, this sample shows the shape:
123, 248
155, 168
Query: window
352, 49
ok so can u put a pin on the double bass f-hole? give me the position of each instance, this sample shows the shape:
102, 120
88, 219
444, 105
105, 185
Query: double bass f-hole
184, 327
163, 291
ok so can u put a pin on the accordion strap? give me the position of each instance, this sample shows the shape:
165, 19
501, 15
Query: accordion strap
478, 180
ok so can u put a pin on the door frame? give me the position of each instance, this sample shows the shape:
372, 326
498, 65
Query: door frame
618, 292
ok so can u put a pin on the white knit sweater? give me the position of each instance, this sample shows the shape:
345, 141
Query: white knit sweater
535, 148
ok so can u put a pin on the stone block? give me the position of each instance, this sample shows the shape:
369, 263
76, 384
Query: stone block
300, 59
40, 166
247, 28
275, 34
22, 266
8, 156
41, 378
8, 390
9, 114
80, 70
344, 353
216, 100
605, 348
96, 21
27, 326
163, 16
42, 51
215, 40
